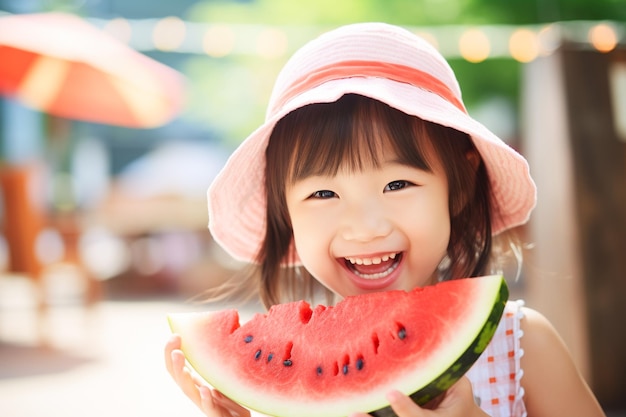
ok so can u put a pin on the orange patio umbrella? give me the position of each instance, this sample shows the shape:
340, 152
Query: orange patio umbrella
60, 64
64, 66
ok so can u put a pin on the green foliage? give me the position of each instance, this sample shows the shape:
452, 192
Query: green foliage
328, 12
494, 77
406, 12
231, 94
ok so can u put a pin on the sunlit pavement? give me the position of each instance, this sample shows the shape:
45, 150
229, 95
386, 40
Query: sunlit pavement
107, 361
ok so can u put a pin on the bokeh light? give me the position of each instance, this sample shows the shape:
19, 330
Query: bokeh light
603, 37
119, 28
524, 45
549, 39
219, 40
474, 45
169, 33
271, 43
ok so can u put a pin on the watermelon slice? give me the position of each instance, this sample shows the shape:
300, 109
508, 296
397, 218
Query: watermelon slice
331, 361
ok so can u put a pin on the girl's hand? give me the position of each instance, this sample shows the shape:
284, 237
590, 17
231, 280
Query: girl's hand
211, 402
458, 401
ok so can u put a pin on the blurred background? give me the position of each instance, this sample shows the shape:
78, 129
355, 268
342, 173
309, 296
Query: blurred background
116, 114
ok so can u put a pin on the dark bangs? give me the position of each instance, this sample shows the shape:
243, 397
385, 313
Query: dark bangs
348, 133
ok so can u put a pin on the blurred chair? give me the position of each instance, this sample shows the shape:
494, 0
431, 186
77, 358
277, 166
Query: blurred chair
25, 217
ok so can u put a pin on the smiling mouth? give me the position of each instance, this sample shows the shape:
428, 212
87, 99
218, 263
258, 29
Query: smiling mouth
376, 267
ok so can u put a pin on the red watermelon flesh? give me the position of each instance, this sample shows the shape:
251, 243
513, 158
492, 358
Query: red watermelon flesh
331, 361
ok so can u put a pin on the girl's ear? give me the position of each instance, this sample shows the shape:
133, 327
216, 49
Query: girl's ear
473, 158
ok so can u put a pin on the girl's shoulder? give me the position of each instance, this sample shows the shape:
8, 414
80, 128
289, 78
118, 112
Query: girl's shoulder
552, 381
527, 369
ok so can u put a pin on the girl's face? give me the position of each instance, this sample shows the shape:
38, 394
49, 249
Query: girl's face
374, 228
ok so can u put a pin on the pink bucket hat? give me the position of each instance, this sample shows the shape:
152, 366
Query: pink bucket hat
380, 61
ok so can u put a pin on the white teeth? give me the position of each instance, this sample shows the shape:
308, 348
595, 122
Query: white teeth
378, 275
372, 261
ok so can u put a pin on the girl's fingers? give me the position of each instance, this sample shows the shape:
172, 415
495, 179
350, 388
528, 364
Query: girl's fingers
402, 405
435, 402
172, 344
183, 377
207, 402
211, 402
233, 408
462, 388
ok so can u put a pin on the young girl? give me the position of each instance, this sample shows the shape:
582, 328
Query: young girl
369, 175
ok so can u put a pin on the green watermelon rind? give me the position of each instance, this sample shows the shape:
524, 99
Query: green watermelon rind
463, 364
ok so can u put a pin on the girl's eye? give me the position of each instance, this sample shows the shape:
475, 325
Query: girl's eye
323, 194
397, 185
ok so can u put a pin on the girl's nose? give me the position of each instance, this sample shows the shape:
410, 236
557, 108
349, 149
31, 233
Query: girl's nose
365, 222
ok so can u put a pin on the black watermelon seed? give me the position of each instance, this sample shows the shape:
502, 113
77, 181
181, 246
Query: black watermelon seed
345, 369
287, 362
257, 355
319, 370
359, 364
248, 338
402, 333
270, 356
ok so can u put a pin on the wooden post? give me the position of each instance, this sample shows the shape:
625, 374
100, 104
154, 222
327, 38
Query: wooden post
577, 273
